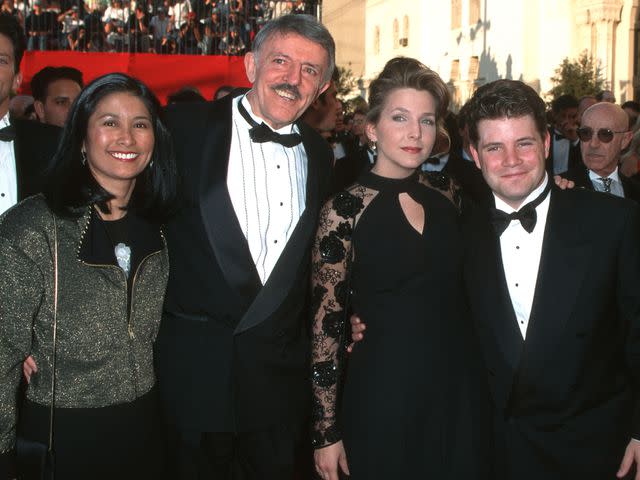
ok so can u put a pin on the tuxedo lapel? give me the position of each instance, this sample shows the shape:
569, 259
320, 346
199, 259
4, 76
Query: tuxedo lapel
293, 259
492, 293
21, 171
218, 216
562, 267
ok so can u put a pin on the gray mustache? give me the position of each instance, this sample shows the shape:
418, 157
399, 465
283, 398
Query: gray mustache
290, 88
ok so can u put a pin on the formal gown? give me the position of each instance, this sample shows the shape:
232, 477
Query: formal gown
400, 402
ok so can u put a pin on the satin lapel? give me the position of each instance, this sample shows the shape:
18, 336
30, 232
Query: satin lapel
562, 267
493, 305
290, 264
218, 216
21, 171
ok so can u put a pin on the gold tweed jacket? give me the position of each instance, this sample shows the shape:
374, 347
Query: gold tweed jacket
104, 350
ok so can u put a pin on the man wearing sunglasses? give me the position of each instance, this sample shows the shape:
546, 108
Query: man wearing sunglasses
603, 135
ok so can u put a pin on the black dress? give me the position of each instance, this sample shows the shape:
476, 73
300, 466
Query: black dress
405, 401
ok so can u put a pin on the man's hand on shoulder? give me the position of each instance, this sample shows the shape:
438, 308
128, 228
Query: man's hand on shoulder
563, 183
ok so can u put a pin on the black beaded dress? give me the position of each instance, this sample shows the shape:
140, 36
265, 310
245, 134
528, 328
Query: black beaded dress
401, 407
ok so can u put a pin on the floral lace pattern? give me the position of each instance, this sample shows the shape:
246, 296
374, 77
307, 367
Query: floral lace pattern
331, 256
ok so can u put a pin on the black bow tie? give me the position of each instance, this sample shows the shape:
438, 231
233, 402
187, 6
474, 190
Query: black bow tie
7, 134
526, 215
559, 136
261, 133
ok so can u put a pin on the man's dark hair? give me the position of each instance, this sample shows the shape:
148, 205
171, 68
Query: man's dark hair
505, 99
45, 77
563, 102
10, 28
462, 116
635, 106
71, 185
335, 78
186, 95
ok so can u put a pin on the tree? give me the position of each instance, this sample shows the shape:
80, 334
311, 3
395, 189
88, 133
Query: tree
577, 77
348, 91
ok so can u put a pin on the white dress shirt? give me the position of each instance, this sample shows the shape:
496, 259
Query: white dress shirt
267, 184
616, 184
8, 173
521, 256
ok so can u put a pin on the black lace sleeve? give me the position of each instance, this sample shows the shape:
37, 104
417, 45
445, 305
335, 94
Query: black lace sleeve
443, 183
331, 258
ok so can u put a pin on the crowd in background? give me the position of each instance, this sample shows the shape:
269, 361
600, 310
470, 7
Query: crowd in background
196, 27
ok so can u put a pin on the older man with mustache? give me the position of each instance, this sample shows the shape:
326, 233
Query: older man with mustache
233, 347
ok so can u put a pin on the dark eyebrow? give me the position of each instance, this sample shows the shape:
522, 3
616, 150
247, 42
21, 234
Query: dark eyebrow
404, 110
115, 115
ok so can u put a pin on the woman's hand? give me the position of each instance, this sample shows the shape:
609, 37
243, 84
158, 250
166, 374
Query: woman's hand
327, 460
29, 368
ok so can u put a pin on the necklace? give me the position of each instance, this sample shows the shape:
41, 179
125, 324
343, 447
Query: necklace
121, 250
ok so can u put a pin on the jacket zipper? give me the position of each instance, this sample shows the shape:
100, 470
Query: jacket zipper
130, 331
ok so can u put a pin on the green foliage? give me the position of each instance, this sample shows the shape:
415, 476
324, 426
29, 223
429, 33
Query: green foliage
348, 91
577, 77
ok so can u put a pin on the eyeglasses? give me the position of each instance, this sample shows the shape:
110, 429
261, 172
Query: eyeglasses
605, 135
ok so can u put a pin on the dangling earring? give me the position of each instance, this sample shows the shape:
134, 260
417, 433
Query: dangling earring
83, 156
150, 164
374, 147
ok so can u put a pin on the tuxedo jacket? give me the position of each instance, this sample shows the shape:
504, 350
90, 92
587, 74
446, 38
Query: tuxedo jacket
34, 146
575, 155
565, 400
231, 354
347, 169
580, 175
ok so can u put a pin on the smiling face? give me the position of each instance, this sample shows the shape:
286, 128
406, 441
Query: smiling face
511, 154
405, 132
119, 141
287, 77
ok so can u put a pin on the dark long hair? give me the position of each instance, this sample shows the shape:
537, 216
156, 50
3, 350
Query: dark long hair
71, 185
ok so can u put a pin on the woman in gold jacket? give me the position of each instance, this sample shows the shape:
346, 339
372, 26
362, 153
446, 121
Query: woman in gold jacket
97, 231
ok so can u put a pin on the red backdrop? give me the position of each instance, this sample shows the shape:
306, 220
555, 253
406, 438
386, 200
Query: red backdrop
164, 74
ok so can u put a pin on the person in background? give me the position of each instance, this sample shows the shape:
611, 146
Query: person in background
54, 89
604, 134
565, 147
633, 111
223, 91
25, 147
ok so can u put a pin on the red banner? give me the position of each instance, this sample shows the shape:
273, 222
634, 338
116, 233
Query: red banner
164, 74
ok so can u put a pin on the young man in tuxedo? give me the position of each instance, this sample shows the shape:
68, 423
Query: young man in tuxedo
552, 280
562, 368
604, 134
232, 351
25, 147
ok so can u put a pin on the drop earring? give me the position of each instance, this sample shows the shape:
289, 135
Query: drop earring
83, 157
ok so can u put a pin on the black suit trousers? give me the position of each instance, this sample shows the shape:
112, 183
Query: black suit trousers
270, 454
